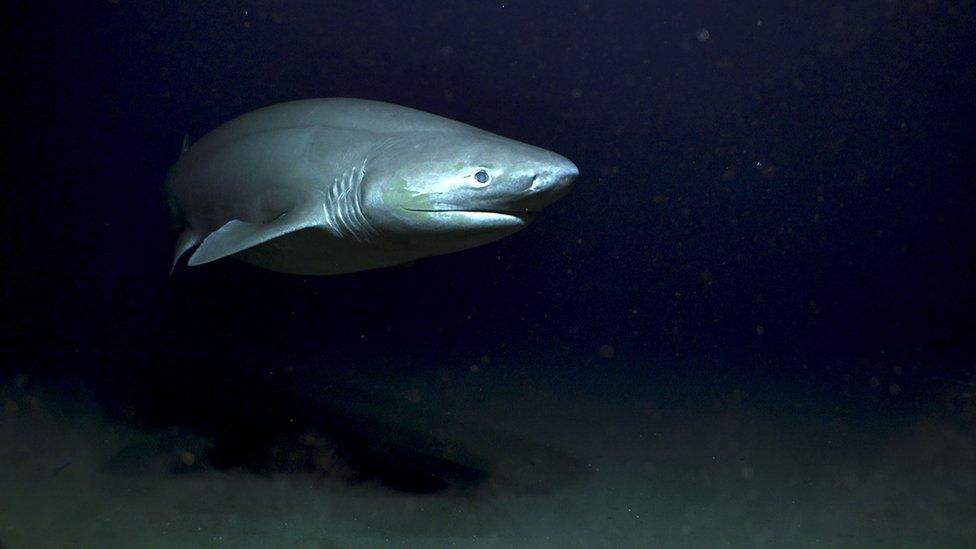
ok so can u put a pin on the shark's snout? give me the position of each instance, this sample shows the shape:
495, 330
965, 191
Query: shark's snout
562, 177
549, 183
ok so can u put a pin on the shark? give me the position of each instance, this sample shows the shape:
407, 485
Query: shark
339, 185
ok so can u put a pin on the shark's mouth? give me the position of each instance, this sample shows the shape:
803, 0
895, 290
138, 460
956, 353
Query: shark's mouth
508, 216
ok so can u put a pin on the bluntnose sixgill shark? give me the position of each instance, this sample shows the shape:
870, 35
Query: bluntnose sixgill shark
329, 186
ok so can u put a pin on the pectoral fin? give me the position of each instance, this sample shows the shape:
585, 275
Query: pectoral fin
236, 236
186, 241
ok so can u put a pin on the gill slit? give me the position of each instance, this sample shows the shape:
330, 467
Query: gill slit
343, 207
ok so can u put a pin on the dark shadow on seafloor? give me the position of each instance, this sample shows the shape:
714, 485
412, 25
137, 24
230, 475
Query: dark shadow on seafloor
348, 433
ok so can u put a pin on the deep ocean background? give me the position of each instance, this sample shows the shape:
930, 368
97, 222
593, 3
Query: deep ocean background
773, 196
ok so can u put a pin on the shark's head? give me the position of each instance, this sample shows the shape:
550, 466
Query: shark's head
453, 191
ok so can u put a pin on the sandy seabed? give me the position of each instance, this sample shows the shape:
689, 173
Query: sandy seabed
568, 463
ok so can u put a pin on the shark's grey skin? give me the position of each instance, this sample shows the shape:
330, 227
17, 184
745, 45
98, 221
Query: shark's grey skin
329, 186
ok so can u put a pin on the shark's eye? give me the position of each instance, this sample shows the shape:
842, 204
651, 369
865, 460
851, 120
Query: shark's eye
481, 176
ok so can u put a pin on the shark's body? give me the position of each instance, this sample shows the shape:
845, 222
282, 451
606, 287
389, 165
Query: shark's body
328, 186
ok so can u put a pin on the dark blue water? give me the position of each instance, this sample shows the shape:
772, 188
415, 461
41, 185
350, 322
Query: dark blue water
751, 322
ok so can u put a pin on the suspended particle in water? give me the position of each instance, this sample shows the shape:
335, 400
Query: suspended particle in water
702, 35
